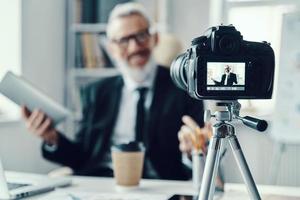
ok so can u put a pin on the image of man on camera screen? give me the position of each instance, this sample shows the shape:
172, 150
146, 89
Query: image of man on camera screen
228, 78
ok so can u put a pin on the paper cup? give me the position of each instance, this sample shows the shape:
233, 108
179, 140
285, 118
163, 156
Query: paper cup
128, 160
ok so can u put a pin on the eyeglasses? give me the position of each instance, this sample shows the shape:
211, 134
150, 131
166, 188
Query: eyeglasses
140, 38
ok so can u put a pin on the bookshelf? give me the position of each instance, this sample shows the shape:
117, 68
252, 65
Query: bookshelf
86, 57
88, 27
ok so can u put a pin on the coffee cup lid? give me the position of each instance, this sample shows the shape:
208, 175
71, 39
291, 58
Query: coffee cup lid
129, 147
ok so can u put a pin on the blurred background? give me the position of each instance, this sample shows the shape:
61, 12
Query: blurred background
59, 45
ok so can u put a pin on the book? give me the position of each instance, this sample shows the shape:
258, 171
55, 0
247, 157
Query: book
94, 53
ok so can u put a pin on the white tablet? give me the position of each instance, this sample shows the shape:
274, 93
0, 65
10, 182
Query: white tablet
22, 92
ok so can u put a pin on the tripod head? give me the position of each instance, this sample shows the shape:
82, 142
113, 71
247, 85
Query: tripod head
233, 112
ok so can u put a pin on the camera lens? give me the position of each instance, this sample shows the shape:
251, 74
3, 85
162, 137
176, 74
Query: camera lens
178, 73
228, 44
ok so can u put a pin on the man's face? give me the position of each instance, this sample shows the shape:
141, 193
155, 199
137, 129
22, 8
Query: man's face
131, 41
227, 69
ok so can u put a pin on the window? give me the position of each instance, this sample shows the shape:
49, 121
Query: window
260, 20
10, 49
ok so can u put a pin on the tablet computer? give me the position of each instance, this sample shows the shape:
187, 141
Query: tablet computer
22, 92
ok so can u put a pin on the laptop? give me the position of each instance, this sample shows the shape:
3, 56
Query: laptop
14, 185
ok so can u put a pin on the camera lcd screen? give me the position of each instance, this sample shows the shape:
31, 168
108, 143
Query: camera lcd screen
226, 76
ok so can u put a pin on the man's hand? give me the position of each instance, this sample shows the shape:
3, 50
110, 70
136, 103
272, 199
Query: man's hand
40, 125
192, 137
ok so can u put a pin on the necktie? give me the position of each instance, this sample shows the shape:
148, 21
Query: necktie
140, 115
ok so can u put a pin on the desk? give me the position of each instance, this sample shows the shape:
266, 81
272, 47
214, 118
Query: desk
160, 189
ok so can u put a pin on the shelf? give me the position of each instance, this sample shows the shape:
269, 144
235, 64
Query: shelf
91, 28
94, 73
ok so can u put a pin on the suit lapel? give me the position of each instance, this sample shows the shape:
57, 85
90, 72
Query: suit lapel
114, 98
161, 85
115, 101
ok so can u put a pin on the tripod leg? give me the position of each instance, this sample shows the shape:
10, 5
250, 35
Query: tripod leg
210, 169
243, 166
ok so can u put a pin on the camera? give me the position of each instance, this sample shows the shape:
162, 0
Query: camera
221, 65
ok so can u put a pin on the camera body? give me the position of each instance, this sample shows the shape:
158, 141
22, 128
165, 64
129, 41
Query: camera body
221, 65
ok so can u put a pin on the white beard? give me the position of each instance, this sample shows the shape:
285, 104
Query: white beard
138, 75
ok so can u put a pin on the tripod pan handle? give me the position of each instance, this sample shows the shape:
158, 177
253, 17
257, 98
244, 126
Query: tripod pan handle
258, 124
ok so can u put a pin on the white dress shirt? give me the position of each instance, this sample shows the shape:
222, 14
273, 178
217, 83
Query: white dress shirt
226, 78
124, 130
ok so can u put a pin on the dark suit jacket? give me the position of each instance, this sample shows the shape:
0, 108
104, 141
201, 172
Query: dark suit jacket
231, 79
100, 109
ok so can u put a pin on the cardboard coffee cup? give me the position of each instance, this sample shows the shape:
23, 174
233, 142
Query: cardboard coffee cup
128, 160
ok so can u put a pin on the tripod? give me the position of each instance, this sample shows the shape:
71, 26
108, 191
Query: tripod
224, 131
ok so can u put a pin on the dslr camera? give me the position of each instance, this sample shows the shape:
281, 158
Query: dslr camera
221, 65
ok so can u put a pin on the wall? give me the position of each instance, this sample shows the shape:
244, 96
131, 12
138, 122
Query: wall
43, 54
258, 149
188, 19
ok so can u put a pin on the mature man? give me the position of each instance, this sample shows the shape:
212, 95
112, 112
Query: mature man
142, 105
228, 78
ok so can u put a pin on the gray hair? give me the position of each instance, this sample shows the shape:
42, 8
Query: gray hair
124, 10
